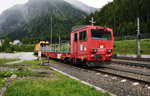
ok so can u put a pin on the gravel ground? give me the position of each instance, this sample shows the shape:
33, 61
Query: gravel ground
132, 61
131, 68
115, 85
23, 56
125, 74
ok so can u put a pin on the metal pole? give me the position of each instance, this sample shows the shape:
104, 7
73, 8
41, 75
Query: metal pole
42, 36
92, 21
51, 32
138, 38
59, 44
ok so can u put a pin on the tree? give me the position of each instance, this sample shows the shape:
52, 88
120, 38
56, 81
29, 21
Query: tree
6, 45
121, 16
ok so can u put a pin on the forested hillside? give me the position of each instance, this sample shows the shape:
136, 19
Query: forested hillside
31, 22
39, 28
121, 16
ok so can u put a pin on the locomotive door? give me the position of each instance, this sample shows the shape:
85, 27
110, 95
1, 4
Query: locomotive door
75, 44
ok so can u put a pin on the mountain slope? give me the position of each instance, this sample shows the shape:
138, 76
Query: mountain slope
82, 6
34, 18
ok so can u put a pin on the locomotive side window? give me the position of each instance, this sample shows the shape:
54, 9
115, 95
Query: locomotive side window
100, 34
75, 37
83, 36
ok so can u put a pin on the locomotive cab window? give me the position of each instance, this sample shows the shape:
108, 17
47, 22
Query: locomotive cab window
75, 37
101, 34
83, 35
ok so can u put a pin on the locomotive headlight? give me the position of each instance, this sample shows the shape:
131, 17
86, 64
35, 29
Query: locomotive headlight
102, 28
109, 50
92, 56
94, 50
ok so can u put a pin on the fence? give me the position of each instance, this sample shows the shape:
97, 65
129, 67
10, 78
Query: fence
132, 37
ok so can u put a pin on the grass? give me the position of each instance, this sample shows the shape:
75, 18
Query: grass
2, 82
130, 47
59, 85
20, 73
32, 64
37, 84
3, 61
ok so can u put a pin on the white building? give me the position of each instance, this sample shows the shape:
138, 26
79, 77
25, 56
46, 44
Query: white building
17, 42
1, 42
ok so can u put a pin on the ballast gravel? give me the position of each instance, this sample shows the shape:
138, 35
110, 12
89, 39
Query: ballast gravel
105, 81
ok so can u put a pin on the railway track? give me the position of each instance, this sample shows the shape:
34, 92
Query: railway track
114, 70
127, 70
133, 67
97, 77
142, 64
123, 76
133, 59
137, 68
134, 75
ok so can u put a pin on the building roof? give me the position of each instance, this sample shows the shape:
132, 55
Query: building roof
2, 39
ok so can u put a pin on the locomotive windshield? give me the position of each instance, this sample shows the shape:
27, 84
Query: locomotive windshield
100, 34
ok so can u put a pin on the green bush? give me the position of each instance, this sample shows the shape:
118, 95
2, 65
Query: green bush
1, 49
6, 47
23, 48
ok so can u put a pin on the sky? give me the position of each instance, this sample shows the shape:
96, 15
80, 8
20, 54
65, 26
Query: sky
96, 3
5, 4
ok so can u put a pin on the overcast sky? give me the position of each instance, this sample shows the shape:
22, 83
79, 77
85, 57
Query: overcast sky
5, 4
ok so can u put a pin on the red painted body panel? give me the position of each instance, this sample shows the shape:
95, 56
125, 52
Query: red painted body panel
84, 49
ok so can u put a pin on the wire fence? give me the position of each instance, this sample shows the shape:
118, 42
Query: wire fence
132, 37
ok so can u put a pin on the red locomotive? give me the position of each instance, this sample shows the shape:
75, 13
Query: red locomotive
90, 45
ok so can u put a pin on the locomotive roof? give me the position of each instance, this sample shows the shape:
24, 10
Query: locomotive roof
78, 27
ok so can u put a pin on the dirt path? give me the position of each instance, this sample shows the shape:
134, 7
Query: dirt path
23, 56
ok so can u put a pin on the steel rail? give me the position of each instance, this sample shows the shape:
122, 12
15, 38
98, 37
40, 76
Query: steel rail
132, 64
133, 59
121, 76
127, 70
